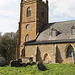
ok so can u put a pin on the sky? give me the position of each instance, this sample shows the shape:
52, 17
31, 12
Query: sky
59, 10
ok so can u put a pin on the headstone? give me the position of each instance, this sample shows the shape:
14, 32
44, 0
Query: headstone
40, 66
2, 61
15, 63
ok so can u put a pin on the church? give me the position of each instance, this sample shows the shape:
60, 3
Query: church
42, 41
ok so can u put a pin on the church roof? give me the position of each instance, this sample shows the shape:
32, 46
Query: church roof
64, 29
64, 36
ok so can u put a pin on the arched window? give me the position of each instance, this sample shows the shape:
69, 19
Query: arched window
27, 38
70, 51
46, 58
28, 12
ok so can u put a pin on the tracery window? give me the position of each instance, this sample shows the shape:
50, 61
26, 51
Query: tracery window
70, 51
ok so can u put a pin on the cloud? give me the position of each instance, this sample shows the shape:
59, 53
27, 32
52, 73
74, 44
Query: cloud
9, 15
59, 10
6, 25
62, 10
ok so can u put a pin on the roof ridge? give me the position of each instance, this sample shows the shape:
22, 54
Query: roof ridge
62, 21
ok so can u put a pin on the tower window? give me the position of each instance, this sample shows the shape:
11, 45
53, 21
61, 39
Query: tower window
42, 13
28, 12
27, 38
27, 26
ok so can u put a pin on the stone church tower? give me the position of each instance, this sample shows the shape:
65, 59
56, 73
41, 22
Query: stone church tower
33, 15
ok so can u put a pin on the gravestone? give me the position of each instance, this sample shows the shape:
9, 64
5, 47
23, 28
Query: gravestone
40, 66
2, 61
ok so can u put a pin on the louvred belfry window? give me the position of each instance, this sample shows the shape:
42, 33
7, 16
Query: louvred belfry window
28, 12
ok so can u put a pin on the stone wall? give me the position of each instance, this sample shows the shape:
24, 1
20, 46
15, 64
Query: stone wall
56, 52
42, 49
61, 53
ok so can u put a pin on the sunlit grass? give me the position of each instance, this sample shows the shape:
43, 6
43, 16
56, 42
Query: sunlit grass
52, 69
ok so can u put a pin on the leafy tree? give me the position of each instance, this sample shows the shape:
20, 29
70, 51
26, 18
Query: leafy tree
8, 46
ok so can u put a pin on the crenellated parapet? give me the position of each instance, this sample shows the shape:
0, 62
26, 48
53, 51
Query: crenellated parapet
32, 1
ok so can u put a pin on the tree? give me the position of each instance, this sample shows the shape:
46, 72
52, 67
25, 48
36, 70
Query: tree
8, 46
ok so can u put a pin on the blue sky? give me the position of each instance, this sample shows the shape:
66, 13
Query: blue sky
59, 10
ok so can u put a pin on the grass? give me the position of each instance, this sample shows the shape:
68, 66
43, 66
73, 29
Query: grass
53, 69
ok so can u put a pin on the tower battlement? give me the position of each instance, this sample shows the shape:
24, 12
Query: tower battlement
30, 1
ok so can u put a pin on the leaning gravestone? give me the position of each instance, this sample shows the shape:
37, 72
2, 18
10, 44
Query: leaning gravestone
15, 63
2, 61
40, 66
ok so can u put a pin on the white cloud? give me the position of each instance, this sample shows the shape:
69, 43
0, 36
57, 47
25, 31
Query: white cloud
9, 15
59, 10
62, 10
6, 25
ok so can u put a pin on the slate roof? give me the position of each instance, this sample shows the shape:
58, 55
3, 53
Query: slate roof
63, 27
45, 37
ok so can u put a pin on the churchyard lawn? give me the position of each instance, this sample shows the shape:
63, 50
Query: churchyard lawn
52, 69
